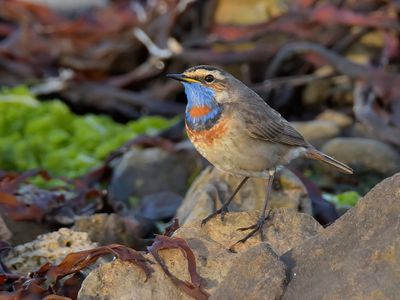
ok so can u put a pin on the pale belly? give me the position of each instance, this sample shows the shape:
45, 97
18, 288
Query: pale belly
232, 150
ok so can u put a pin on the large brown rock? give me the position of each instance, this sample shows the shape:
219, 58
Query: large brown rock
255, 271
125, 281
212, 187
358, 257
262, 275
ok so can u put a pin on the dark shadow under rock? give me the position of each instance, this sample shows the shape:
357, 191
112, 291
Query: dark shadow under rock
357, 257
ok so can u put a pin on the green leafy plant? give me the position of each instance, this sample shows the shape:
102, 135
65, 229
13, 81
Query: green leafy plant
48, 135
345, 199
349, 198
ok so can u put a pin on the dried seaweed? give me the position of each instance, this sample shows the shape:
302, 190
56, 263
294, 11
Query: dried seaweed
193, 288
169, 231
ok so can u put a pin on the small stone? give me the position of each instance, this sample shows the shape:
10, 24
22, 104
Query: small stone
212, 187
364, 155
50, 247
340, 119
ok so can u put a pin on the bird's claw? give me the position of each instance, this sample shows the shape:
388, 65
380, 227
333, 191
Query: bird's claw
221, 211
257, 227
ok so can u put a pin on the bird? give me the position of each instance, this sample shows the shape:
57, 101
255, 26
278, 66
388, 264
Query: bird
239, 133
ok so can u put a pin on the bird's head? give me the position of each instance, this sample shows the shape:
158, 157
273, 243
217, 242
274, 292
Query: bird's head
205, 84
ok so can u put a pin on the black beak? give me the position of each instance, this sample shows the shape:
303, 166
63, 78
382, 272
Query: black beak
179, 77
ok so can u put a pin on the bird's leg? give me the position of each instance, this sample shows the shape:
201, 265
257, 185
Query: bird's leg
224, 208
259, 226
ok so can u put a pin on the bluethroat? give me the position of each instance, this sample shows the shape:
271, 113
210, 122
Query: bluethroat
238, 132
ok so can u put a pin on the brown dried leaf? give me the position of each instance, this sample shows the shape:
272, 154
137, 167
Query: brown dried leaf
31, 289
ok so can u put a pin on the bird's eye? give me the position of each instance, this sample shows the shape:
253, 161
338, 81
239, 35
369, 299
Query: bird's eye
209, 78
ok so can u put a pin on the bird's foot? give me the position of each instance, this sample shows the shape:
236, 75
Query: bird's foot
257, 227
221, 211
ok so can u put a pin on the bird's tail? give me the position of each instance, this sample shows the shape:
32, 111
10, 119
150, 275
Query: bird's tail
317, 155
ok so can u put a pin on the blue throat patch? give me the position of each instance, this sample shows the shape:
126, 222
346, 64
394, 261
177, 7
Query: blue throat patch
198, 96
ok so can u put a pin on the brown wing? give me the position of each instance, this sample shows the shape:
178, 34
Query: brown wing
264, 123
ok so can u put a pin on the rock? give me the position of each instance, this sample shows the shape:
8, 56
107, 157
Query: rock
5, 233
212, 186
340, 119
364, 155
285, 229
111, 228
51, 247
125, 281
141, 172
358, 257
317, 131
359, 130
257, 263
256, 270
160, 206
